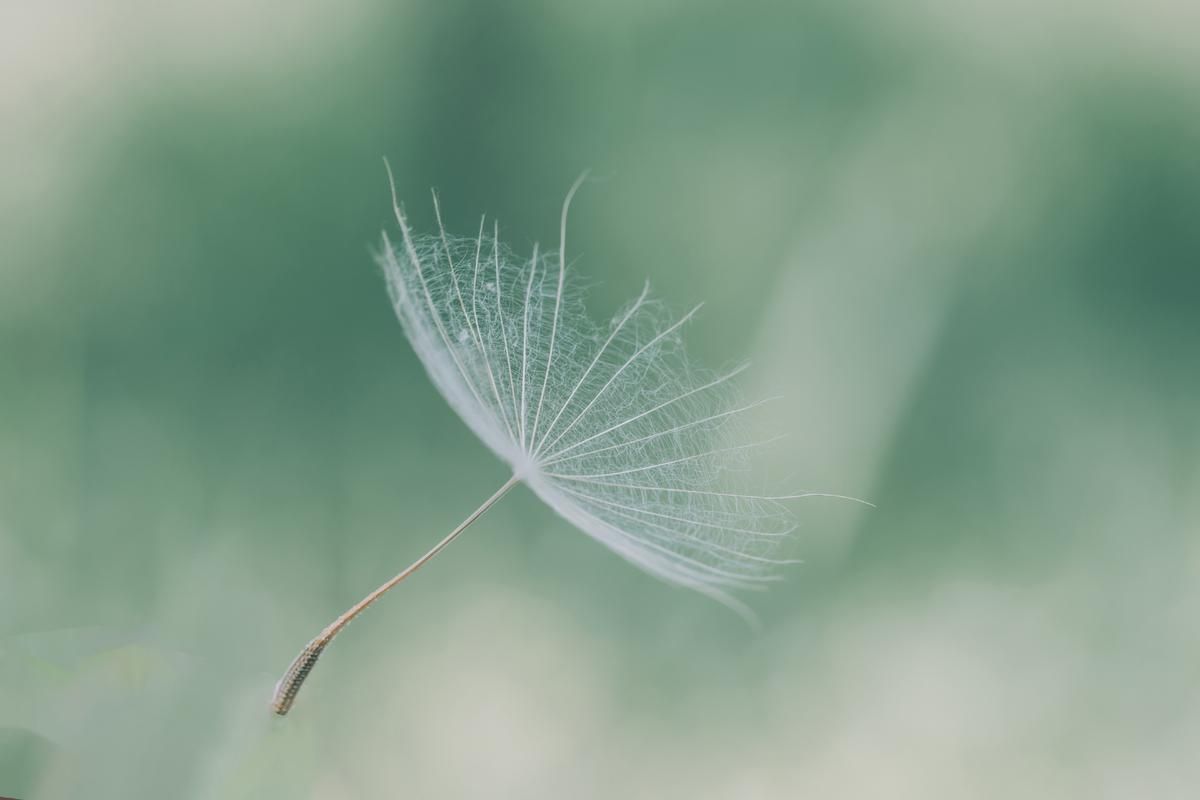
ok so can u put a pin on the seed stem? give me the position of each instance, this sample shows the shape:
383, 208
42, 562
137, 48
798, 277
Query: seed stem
289, 685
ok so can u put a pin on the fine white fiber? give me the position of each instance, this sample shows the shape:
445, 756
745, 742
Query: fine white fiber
611, 426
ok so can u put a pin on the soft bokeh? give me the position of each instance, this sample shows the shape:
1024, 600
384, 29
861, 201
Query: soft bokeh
962, 239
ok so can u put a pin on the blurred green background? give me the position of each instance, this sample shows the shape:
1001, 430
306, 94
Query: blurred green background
963, 239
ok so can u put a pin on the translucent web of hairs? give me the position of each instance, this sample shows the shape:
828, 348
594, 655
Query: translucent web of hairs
610, 425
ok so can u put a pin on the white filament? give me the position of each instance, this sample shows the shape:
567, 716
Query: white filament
612, 427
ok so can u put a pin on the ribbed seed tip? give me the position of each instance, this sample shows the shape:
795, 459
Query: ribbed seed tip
289, 685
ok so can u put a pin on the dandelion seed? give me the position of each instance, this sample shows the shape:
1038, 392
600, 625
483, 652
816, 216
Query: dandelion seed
611, 427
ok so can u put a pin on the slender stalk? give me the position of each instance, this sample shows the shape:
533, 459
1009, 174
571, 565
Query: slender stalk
289, 685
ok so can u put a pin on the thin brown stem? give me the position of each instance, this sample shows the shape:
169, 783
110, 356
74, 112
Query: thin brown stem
289, 685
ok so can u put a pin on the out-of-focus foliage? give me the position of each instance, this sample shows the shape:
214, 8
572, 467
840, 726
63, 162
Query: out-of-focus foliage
961, 238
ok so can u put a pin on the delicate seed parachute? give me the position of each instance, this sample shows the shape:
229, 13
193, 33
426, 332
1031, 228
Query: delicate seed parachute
610, 425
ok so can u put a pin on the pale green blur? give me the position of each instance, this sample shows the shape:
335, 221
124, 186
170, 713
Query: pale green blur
961, 239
